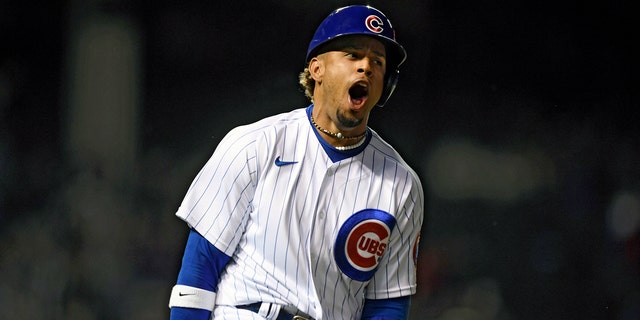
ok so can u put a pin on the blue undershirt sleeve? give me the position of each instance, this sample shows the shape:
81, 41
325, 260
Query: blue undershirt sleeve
179, 313
202, 264
387, 309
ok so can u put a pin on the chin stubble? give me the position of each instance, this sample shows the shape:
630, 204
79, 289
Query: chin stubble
347, 122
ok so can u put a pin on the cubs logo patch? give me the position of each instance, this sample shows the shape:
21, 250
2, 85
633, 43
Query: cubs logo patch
362, 241
374, 24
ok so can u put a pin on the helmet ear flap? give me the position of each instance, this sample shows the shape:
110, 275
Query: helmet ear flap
390, 85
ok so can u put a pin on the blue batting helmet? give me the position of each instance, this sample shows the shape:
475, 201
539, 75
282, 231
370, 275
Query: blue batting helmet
362, 20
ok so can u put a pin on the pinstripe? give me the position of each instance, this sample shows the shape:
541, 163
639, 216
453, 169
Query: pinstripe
280, 224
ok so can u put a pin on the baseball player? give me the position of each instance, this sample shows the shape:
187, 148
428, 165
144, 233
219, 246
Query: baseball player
309, 214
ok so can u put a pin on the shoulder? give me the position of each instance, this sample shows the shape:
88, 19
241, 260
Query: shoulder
252, 132
274, 121
383, 149
392, 158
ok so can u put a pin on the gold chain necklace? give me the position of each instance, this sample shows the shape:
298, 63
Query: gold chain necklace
339, 134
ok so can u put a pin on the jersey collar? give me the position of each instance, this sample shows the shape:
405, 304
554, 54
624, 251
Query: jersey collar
334, 154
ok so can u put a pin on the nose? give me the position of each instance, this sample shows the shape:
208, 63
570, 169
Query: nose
365, 67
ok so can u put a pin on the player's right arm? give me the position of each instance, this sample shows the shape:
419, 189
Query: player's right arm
193, 296
216, 207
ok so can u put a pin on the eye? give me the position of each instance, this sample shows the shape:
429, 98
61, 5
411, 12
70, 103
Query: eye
352, 55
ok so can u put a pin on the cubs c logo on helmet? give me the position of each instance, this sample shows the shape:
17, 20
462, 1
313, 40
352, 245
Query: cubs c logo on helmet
374, 24
361, 242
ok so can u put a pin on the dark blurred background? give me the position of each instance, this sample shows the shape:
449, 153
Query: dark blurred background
519, 116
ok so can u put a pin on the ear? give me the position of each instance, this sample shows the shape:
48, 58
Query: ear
316, 69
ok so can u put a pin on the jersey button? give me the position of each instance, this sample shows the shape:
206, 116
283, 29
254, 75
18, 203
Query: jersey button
321, 215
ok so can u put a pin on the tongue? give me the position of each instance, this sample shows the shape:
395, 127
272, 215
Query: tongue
357, 101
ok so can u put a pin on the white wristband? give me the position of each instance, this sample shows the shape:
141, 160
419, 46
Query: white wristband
192, 297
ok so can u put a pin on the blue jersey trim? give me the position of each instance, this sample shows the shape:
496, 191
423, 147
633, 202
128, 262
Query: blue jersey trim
383, 309
334, 154
202, 263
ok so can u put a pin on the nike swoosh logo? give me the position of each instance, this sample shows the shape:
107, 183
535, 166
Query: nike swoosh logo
185, 294
283, 163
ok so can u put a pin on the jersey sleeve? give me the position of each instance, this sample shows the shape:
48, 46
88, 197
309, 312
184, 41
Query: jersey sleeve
219, 199
396, 274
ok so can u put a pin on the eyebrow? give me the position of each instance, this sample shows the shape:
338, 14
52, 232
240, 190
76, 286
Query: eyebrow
354, 47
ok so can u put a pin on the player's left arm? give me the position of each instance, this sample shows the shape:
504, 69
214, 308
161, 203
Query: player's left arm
387, 309
389, 293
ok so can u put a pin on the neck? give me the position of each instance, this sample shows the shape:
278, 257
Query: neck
338, 135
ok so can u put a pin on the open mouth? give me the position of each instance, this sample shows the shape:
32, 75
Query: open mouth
358, 93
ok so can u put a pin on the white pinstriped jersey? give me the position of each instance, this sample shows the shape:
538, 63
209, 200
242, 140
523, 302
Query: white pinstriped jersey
303, 229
